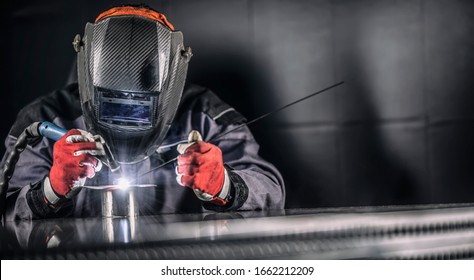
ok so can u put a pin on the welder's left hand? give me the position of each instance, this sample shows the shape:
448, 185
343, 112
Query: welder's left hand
201, 167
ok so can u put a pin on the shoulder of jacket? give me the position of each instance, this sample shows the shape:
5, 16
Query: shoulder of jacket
62, 103
196, 97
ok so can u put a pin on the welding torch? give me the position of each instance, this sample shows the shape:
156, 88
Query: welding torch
30, 135
54, 132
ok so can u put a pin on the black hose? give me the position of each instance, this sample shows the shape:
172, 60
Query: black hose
29, 135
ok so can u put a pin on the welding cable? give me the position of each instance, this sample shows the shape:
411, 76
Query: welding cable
28, 136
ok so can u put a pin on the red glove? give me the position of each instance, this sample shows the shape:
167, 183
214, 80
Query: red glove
73, 160
200, 167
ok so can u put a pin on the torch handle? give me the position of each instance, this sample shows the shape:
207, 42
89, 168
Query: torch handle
51, 131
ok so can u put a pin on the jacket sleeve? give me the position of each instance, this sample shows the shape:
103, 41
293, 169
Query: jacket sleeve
256, 183
25, 198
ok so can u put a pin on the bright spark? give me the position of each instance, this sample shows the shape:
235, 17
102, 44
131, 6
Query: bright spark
123, 183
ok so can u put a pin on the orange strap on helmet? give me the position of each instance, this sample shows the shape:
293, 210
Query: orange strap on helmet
135, 11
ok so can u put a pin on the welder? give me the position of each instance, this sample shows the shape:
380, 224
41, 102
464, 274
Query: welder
131, 93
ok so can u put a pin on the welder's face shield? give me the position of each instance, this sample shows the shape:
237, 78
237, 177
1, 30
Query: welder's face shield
131, 74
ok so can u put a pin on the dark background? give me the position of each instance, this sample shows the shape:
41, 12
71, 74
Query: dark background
399, 131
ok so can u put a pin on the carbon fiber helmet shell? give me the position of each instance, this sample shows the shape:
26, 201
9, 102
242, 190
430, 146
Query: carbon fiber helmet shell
131, 75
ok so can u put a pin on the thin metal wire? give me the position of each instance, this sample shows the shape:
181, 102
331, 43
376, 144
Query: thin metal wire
250, 122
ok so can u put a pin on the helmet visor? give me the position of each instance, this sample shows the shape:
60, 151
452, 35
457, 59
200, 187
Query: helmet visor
125, 109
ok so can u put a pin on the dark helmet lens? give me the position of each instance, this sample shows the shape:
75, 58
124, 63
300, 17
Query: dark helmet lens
125, 108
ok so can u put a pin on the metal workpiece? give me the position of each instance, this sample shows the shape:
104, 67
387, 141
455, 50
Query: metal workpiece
119, 203
388, 232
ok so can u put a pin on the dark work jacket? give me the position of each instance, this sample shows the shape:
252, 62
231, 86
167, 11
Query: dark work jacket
256, 184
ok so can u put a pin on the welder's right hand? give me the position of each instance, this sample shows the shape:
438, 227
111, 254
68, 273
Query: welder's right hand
74, 160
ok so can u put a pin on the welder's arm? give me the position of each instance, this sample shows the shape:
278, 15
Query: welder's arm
231, 171
256, 183
35, 177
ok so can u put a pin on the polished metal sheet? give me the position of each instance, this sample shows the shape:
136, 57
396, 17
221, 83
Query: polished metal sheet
423, 231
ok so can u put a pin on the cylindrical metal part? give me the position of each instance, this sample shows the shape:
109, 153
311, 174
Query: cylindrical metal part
119, 203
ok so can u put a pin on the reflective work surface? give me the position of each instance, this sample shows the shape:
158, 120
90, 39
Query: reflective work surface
424, 231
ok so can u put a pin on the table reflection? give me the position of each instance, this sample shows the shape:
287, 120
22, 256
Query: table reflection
358, 232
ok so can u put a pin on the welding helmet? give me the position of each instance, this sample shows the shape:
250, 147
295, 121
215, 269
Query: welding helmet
132, 67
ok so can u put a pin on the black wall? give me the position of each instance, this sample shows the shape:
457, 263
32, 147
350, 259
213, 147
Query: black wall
399, 131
